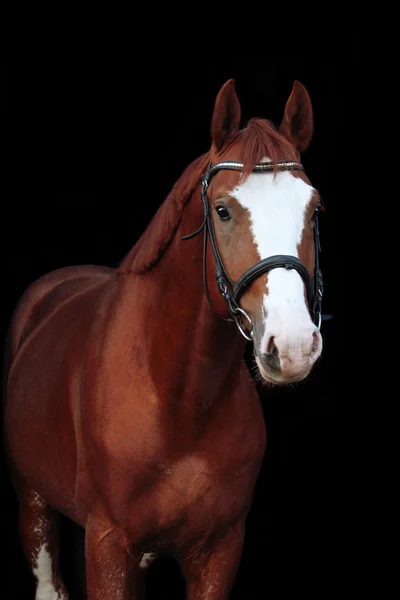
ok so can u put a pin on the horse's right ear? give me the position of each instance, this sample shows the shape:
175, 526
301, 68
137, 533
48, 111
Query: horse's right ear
226, 117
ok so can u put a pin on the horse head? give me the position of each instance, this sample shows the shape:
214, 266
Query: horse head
263, 226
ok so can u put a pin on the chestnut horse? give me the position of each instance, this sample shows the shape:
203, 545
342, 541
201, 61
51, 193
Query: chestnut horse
129, 407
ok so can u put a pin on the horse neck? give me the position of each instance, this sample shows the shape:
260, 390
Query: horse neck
192, 353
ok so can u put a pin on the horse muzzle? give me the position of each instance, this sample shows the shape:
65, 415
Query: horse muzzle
287, 356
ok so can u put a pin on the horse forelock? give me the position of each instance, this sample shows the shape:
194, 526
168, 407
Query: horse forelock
259, 139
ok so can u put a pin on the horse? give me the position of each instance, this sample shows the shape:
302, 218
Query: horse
129, 406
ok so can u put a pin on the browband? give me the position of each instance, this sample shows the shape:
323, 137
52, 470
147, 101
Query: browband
232, 165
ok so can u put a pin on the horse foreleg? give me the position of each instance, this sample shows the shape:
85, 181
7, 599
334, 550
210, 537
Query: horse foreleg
112, 567
210, 575
38, 525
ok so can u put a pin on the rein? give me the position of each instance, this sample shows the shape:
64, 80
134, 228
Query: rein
232, 292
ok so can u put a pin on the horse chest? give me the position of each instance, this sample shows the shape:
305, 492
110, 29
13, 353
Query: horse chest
194, 497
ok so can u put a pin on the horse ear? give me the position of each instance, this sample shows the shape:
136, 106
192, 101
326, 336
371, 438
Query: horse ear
226, 116
297, 122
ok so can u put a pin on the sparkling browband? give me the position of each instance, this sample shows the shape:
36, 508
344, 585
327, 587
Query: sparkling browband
258, 168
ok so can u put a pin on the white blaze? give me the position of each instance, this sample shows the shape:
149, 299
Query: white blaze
277, 207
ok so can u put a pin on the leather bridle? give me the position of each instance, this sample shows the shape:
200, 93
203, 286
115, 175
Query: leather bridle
232, 292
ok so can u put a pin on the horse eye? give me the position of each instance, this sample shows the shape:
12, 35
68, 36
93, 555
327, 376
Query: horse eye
223, 213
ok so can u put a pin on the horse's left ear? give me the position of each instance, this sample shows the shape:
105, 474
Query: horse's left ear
297, 122
226, 116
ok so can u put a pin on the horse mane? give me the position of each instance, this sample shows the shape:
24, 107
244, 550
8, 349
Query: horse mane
257, 140
161, 229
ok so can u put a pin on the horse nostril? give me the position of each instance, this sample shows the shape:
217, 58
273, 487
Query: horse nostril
271, 348
271, 356
316, 347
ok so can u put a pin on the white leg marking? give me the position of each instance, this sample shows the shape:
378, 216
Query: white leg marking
43, 572
147, 559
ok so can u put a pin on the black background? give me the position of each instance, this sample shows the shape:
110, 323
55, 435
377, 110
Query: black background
102, 140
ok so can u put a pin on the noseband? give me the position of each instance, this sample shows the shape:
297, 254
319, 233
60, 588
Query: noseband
232, 292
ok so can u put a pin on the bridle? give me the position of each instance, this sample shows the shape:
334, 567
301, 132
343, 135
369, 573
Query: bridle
232, 292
